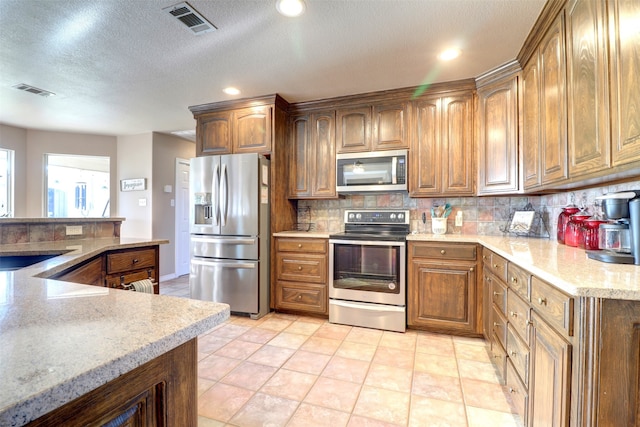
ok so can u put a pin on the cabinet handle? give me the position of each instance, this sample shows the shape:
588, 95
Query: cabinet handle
542, 301
484, 257
495, 294
299, 297
496, 324
511, 390
135, 260
513, 353
514, 279
513, 314
442, 251
529, 322
299, 268
495, 265
471, 269
299, 245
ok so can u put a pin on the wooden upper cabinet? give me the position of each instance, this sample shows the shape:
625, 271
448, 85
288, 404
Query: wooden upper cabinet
588, 100
390, 126
214, 133
625, 86
354, 130
425, 177
252, 130
531, 125
554, 107
498, 137
313, 156
457, 145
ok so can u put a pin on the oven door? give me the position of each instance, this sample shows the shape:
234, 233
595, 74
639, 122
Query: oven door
368, 271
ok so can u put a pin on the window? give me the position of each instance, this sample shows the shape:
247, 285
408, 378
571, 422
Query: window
77, 186
6, 182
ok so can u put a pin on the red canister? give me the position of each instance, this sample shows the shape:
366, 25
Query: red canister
573, 233
590, 232
563, 220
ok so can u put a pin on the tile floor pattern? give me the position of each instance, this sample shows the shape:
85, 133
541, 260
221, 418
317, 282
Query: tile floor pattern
286, 370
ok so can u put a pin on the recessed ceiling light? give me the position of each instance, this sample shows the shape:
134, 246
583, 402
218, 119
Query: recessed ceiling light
231, 91
290, 7
449, 54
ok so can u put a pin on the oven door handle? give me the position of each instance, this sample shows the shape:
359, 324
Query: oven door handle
367, 242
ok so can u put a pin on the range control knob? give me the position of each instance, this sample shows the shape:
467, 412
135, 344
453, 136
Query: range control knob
401, 216
351, 216
392, 216
358, 216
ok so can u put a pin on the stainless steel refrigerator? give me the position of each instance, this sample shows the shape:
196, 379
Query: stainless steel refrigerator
229, 214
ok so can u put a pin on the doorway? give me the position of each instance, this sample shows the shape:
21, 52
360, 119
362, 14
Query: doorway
182, 217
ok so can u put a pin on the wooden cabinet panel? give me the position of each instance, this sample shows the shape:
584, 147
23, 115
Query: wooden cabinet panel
624, 71
518, 354
487, 302
323, 162
519, 280
214, 133
390, 126
499, 358
425, 154
252, 130
354, 130
130, 259
302, 267
552, 65
518, 313
555, 306
588, 112
457, 145
500, 326
531, 125
518, 393
497, 265
446, 251
285, 244
306, 297
90, 272
118, 280
499, 295
498, 137
301, 157
549, 390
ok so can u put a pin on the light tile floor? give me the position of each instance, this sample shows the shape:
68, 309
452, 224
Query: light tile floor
286, 370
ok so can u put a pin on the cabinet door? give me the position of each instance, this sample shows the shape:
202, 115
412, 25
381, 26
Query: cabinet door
390, 126
457, 145
252, 130
354, 130
498, 143
531, 125
624, 71
301, 157
425, 171
588, 124
90, 272
442, 297
487, 319
214, 133
554, 107
550, 375
323, 159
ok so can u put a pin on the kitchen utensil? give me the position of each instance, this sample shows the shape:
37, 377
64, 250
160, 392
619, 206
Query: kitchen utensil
439, 225
447, 210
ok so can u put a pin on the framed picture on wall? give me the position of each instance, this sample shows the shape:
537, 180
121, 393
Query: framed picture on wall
135, 184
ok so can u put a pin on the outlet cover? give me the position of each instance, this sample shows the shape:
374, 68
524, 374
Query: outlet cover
74, 230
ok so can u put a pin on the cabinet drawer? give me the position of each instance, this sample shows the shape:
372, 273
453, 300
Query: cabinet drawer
518, 354
301, 297
301, 245
495, 263
301, 268
518, 280
518, 315
130, 260
499, 357
554, 306
499, 294
518, 393
444, 251
117, 280
500, 327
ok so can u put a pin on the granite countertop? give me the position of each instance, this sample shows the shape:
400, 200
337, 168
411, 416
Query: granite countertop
61, 340
566, 267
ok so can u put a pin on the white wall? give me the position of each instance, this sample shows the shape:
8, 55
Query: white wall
135, 160
15, 139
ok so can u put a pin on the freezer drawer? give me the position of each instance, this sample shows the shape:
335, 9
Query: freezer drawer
228, 281
228, 247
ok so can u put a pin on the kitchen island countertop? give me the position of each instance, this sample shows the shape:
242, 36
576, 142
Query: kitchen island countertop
61, 340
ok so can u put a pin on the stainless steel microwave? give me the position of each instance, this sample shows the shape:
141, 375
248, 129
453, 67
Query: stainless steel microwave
374, 171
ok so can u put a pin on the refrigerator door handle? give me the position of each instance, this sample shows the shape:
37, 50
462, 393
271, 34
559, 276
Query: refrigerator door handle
224, 264
216, 195
225, 196
225, 241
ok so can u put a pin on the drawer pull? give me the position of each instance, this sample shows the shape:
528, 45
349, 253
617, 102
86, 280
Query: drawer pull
513, 353
495, 294
484, 257
135, 261
299, 245
299, 268
542, 301
514, 279
513, 314
299, 297
529, 322
512, 390
443, 251
496, 324
471, 269
495, 265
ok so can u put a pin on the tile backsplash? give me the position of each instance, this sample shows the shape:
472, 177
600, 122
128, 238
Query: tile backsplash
481, 215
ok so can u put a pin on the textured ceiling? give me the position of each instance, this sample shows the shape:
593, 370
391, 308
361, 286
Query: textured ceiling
121, 67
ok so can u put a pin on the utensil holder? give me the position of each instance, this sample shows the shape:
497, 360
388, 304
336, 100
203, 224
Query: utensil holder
439, 225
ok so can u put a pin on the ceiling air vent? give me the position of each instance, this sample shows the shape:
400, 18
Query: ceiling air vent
191, 18
34, 90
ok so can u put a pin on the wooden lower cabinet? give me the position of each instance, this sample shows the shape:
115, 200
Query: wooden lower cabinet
90, 272
162, 392
302, 275
443, 291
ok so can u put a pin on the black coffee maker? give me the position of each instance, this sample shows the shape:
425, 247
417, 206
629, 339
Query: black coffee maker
623, 212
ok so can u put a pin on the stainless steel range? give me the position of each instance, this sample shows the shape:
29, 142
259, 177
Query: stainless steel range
367, 270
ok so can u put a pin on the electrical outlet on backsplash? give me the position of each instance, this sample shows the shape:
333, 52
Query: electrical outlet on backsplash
482, 215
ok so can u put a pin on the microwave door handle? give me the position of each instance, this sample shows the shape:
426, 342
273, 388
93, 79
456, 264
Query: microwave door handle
394, 170
216, 196
224, 196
